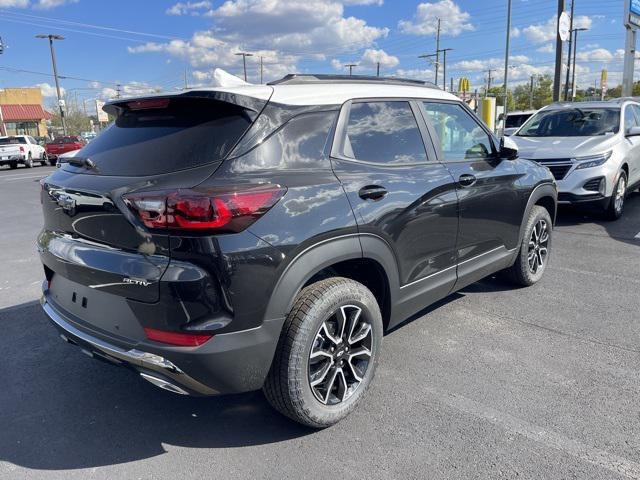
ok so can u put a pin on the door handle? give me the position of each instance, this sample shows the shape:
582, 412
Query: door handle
372, 192
467, 180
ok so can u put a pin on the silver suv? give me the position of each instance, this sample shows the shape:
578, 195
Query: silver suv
592, 149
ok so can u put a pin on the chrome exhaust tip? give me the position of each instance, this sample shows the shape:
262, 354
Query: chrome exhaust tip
165, 385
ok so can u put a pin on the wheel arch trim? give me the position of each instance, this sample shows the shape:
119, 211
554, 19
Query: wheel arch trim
540, 191
323, 254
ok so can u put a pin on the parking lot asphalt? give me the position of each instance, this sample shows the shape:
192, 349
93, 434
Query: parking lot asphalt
493, 382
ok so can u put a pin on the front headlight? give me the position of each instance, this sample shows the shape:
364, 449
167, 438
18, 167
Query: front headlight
593, 160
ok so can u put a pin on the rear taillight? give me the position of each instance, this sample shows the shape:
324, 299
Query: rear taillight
220, 210
177, 338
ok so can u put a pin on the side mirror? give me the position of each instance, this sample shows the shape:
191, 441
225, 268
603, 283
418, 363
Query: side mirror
633, 132
508, 149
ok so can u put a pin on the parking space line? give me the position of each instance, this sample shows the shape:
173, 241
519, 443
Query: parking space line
15, 177
601, 458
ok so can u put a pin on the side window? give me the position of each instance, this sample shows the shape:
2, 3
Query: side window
630, 119
460, 135
32, 140
384, 132
299, 144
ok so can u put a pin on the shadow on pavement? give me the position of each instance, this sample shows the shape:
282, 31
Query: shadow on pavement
62, 410
622, 230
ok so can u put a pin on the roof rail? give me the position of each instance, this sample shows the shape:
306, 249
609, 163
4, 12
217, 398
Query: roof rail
310, 78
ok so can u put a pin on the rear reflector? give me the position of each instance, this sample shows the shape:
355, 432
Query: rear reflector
177, 338
214, 210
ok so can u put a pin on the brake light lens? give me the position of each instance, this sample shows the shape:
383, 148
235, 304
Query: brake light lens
179, 339
149, 103
219, 210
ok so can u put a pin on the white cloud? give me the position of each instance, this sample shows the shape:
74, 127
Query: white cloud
425, 21
293, 29
363, 2
548, 48
130, 89
371, 57
416, 73
14, 3
39, 4
546, 32
295, 25
49, 4
599, 55
49, 91
188, 8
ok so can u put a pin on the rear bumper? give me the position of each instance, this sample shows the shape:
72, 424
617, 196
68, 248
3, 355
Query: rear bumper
12, 158
228, 363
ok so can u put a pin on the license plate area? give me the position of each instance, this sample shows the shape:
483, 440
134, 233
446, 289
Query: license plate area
99, 310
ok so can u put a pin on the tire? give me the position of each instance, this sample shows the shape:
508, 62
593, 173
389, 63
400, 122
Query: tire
535, 248
43, 159
307, 331
615, 208
13, 165
53, 161
29, 161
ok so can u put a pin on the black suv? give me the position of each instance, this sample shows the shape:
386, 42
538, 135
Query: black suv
231, 239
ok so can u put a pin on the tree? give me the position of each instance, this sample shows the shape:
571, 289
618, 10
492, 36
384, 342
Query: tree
75, 119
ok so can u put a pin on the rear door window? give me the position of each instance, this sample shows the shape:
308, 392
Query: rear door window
384, 132
167, 135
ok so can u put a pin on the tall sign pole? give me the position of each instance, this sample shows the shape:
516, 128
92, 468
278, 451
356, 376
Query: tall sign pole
631, 22
557, 79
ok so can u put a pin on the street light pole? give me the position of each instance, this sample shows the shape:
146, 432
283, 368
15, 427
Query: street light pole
575, 45
55, 75
566, 83
557, 79
506, 66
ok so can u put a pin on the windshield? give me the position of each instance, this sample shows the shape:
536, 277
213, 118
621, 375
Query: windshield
572, 122
12, 140
514, 121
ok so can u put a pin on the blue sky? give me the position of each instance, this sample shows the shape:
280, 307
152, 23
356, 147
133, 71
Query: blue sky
148, 45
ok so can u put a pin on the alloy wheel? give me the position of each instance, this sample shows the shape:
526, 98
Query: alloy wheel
621, 190
340, 355
538, 246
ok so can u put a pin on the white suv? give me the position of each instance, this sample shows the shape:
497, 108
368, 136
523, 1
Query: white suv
592, 149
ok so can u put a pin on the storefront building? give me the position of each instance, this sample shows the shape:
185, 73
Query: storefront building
22, 113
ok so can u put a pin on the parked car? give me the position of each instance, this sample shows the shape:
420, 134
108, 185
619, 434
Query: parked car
515, 120
63, 145
88, 136
65, 157
21, 149
230, 239
592, 149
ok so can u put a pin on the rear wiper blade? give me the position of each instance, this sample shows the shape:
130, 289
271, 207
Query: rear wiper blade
82, 162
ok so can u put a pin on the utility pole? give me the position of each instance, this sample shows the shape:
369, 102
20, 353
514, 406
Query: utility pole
506, 66
244, 62
444, 67
118, 90
55, 75
557, 79
575, 45
378, 70
451, 87
531, 93
489, 72
566, 83
350, 67
186, 84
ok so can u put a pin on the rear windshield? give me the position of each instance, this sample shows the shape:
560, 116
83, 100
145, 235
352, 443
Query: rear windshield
12, 141
65, 140
572, 122
181, 133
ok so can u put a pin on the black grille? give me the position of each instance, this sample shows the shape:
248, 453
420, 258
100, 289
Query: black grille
559, 171
593, 185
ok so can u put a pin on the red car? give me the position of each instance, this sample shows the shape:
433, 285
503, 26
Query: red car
63, 145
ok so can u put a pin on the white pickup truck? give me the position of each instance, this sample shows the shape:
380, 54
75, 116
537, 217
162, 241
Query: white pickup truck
21, 149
